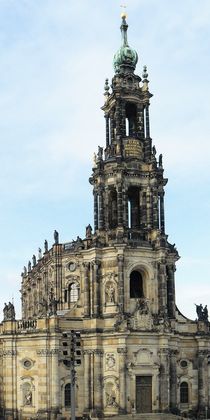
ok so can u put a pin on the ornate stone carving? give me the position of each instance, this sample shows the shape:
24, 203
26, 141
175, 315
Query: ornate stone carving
110, 277
8, 353
111, 393
120, 258
27, 394
110, 361
47, 352
110, 293
122, 350
141, 318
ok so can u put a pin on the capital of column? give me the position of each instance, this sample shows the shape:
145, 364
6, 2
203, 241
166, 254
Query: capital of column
173, 352
98, 352
203, 353
122, 350
86, 265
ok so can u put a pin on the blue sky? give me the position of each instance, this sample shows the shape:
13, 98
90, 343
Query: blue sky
54, 58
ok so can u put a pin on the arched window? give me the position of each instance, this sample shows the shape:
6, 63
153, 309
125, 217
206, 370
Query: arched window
113, 209
73, 296
136, 285
67, 395
133, 208
131, 119
184, 393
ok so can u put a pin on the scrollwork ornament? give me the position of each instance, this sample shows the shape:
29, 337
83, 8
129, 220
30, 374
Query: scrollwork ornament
48, 352
8, 353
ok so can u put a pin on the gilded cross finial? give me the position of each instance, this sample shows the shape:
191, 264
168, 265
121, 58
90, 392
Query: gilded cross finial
123, 14
124, 27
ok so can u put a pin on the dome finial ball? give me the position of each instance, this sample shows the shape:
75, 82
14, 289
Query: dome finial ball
123, 15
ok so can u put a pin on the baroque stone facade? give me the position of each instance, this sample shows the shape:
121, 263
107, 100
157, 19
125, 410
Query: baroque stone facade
116, 286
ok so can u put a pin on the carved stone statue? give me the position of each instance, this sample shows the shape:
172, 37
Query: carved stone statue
56, 237
24, 270
29, 266
142, 306
39, 253
89, 232
205, 313
45, 246
94, 160
9, 312
154, 150
202, 312
161, 160
34, 260
100, 153
43, 306
110, 293
53, 304
28, 398
110, 396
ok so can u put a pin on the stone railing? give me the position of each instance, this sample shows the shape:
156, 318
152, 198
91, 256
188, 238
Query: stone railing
30, 324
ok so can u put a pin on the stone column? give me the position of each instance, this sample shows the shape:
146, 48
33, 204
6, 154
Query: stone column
143, 210
123, 124
92, 289
171, 291
55, 383
122, 378
155, 209
162, 289
149, 208
87, 381
96, 291
112, 127
119, 205
118, 119
95, 195
120, 282
86, 290
97, 395
173, 380
162, 214
106, 207
147, 121
164, 380
125, 201
202, 403
91, 383
107, 130
140, 122
57, 252
101, 209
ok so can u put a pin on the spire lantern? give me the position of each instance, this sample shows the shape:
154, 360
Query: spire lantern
126, 58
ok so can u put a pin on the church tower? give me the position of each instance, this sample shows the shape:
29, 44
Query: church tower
128, 182
138, 353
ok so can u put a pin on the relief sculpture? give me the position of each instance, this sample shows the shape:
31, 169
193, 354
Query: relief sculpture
110, 293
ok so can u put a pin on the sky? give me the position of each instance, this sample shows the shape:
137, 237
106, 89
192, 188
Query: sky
54, 58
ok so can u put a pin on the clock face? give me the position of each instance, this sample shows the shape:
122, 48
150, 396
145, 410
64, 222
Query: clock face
72, 266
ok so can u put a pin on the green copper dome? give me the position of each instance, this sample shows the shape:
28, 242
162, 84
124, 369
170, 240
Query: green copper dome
126, 57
